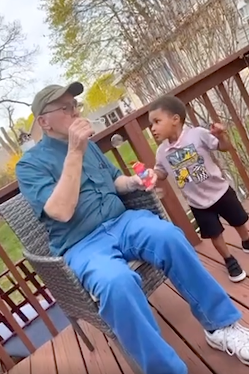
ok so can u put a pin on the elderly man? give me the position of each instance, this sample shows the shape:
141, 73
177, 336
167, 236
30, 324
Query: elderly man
74, 190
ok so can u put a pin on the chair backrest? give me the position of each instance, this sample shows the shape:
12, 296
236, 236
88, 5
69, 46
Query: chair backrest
21, 219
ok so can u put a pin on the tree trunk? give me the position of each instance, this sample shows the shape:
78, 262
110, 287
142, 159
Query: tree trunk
11, 143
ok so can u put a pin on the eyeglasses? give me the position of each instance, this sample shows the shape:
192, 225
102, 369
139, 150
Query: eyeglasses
68, 108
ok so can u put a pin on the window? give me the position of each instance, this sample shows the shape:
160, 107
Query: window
113, 116
243, 8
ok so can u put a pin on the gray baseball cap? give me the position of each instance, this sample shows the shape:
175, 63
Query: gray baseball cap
51, 93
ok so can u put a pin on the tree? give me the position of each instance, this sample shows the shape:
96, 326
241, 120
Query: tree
24, 124
102, 92
153, 45
83, 46
15, 66
15, 62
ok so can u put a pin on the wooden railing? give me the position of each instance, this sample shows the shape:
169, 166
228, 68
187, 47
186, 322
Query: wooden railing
217, 92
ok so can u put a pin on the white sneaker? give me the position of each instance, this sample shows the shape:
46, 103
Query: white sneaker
234, 340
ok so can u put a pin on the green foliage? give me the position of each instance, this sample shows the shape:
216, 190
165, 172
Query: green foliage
7, 173
81, 34
102, 92
24, 124
10, 243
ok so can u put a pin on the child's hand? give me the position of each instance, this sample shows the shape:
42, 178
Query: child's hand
217, 129
153, 180
136, 183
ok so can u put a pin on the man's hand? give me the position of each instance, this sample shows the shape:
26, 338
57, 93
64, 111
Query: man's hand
78, 135
136, 183
217, 129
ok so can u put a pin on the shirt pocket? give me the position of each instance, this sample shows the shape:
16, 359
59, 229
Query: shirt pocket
98, 175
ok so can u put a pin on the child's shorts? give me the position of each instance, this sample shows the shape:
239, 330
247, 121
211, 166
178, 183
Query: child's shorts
228, 207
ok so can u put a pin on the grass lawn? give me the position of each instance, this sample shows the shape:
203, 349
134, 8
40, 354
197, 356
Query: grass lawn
10, 243
13, 247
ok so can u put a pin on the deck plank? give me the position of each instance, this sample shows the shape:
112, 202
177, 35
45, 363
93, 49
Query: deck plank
43, 360
239, 292
207, 249
101, 360
68, 354
193, 362
22, 367
231, 236
126, 369
167, 302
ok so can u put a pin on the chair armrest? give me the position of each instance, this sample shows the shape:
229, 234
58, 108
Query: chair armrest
144, 200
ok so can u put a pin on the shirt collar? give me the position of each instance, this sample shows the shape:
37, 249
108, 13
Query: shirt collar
177, 143
50, 142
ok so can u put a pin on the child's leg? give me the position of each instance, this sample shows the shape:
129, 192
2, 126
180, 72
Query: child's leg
232, 211
244, 234
211, 228
220, 245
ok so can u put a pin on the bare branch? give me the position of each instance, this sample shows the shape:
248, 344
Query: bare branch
3, 101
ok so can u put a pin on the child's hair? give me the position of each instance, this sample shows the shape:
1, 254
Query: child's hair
170, 104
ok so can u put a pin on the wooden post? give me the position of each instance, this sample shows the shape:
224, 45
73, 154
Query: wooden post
232, 151
6, 359
32, 299
234, 116
16, 327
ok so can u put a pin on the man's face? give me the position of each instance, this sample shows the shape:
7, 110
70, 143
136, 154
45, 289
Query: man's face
58, 116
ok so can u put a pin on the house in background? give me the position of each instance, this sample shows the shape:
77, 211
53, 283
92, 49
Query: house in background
113, 112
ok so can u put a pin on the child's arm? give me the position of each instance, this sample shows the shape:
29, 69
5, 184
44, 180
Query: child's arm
161, 175
159, 168
215, 139
219, 131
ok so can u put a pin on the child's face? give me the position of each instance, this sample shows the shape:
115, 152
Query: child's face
164, 125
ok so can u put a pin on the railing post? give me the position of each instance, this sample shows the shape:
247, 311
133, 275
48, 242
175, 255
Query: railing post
32, 299
232, 150
234, 116
170, 201
6, 359
16, 327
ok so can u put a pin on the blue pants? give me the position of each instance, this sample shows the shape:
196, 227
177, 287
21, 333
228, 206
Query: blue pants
100, 262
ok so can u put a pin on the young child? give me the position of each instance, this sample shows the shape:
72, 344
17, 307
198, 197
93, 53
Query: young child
185, 153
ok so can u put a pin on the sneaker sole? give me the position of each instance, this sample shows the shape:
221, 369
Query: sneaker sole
217, 347
239, 278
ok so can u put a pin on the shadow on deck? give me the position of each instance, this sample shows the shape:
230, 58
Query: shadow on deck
67, 354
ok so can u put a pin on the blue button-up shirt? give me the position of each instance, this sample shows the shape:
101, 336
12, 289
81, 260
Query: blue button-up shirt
40, 169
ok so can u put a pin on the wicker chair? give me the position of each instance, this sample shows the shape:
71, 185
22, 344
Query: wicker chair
58, 277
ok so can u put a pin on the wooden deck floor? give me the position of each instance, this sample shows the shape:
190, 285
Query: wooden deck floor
66, 354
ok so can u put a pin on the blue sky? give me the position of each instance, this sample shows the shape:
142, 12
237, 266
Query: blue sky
32, 20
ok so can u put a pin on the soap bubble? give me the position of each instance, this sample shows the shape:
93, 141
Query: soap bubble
117, 140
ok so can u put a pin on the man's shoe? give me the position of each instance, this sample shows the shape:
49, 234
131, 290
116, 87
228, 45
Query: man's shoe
234, 340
